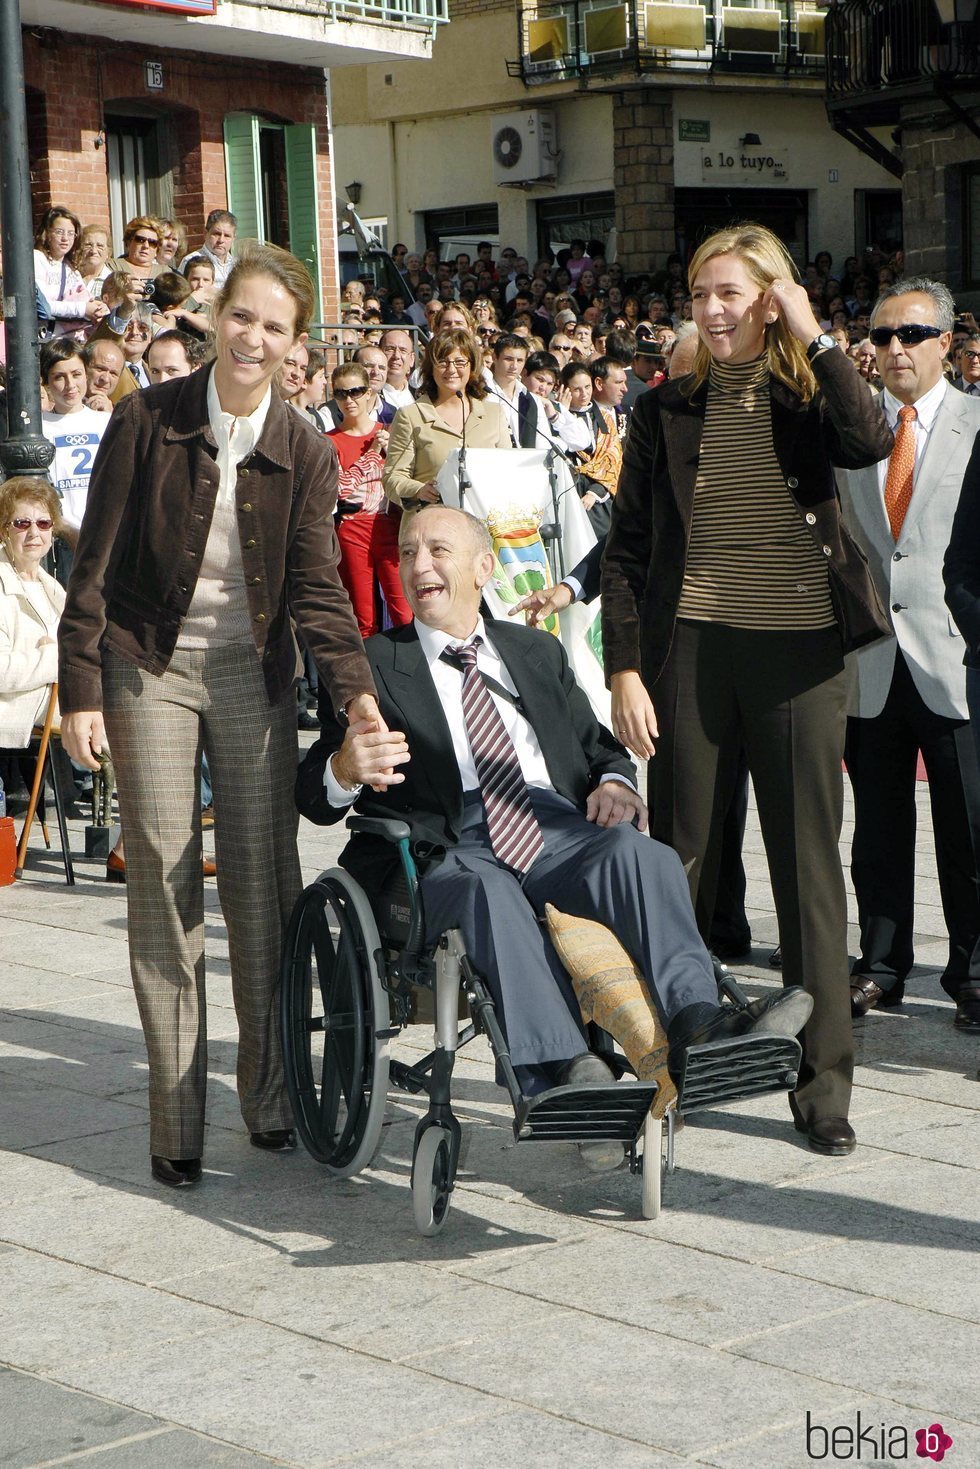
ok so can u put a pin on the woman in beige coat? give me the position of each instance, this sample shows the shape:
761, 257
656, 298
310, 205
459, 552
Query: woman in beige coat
31, 603
452, 401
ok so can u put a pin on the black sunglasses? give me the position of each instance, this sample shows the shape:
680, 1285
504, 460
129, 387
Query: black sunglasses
911, 335
349, 392
22, 523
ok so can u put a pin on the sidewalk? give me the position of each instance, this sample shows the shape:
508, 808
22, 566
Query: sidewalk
273, 1316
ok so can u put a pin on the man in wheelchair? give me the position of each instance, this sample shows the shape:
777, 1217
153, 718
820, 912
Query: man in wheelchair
516, 797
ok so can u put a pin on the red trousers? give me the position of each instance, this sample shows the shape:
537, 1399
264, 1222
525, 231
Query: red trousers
369, 557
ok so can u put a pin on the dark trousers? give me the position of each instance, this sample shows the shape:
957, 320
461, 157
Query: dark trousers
781, 697
614, 875
881, 760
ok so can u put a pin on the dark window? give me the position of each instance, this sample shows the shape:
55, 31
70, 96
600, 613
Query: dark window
699, 212
585, 217
476, 221
878, 219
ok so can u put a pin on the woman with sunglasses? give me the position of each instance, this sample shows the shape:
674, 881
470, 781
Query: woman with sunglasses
56, 243
31, 603
451, 404
731, 590
367, 522
141, 245
209, 531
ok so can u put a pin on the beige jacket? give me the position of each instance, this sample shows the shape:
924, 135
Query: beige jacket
421, 441
26, 671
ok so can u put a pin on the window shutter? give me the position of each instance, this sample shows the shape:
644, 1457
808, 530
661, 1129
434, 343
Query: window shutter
244, 175
302, 198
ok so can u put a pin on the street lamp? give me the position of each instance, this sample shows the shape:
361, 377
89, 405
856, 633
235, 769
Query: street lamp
24, 449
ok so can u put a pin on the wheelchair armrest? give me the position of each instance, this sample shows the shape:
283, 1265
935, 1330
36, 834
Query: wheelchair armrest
380, 826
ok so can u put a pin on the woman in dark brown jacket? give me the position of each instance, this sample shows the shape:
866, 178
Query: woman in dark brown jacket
731, 591
209, 524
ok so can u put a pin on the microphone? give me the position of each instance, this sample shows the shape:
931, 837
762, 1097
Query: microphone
547, 439
465, 483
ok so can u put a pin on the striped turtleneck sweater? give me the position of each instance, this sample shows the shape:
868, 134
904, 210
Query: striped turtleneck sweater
751, 562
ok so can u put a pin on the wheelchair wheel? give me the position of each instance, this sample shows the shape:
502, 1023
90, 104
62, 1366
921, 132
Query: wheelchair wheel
432, 1182
654, 1166
335, 1024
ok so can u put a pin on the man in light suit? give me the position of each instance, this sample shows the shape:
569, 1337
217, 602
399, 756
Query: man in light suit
586, 854
909, 690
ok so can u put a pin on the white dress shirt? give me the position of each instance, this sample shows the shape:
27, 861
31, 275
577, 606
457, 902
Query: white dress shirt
219, 613
926, 408
449, 687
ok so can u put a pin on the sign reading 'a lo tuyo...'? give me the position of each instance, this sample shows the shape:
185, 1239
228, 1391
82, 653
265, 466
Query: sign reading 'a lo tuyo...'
742, 164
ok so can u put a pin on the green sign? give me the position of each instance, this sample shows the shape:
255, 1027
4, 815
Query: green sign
694, 130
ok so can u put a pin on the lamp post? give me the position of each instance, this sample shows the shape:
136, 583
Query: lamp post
24, 449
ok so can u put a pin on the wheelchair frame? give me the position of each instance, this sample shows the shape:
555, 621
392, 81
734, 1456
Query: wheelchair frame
360, 997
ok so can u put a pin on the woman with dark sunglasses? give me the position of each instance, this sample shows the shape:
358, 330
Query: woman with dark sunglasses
367, 522
731, 590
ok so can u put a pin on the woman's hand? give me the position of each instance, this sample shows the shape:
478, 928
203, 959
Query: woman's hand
634, 722
83, 737
96, 310
428, 493
790, 301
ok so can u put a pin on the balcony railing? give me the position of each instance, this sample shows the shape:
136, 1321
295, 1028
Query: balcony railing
879, 53
422, 15
581, 38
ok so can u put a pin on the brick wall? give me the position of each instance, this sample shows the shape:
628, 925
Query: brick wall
71, 79
461, 9
643, 175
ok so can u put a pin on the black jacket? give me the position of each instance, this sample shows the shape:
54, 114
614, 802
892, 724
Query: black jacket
961, 568
643, 566
577, 749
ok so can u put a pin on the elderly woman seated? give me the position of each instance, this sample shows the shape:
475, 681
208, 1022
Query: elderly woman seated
31, 604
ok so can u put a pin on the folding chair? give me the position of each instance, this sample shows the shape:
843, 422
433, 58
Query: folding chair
43, 735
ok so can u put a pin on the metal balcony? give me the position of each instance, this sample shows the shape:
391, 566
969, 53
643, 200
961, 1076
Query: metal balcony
418, 14
571, 39
880, 57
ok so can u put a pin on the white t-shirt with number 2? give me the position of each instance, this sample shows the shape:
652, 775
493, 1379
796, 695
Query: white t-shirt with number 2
76, 438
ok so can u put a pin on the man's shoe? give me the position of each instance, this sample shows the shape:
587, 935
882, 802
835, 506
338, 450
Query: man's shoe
833, 1136
968, 1007
115, 868
866, 993
305, 720
784, 1012
604, 1154
730, 951
207, 816
277, 1140
175, 1172
587, 1069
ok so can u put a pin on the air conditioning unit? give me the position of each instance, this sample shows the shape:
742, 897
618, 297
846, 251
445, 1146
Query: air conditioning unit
525, 147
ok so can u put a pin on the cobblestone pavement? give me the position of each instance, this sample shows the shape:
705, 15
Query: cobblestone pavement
785, 1308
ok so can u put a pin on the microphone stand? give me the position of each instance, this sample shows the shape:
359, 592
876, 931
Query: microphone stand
551, 534
465, 483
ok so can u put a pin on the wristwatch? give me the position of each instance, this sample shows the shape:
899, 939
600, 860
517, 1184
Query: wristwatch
820, 344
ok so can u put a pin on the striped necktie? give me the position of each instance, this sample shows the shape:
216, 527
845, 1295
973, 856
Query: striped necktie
514, 831
901, 468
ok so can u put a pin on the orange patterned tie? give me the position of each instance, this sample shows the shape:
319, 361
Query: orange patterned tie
901, 466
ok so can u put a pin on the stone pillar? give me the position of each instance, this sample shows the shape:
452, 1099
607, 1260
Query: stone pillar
934, 149
643, 175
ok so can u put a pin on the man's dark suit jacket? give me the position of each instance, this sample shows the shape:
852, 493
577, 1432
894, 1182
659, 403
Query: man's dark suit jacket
577, 749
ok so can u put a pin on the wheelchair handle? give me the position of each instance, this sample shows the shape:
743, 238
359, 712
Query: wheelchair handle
380, 826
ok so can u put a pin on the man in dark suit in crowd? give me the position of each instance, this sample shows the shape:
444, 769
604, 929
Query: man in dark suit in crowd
515, 797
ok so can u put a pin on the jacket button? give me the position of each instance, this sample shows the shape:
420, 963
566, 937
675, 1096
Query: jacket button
897, 556
792, 483
827, 550
243, 473
260, 617
247, 506
250, 544
811, 519
255, 581
898, 607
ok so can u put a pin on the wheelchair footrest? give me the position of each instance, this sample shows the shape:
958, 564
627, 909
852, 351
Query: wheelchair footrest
579, 1114
729, 1070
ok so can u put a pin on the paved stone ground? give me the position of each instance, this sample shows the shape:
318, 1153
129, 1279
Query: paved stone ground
273, 1316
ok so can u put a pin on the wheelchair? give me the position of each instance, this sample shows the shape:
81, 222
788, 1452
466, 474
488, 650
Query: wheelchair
350, 973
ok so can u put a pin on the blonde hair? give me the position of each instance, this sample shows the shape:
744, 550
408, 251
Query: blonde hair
288, 272
766, 259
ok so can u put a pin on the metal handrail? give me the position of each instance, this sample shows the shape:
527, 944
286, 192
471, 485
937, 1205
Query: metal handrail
878, 48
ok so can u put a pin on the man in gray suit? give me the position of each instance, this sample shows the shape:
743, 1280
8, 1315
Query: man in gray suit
909, 691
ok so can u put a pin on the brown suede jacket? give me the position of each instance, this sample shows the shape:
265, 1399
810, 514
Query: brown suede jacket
150, 505
645, 555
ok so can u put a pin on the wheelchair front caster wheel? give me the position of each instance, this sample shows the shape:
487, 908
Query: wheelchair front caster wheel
432, 1180
653, 1168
